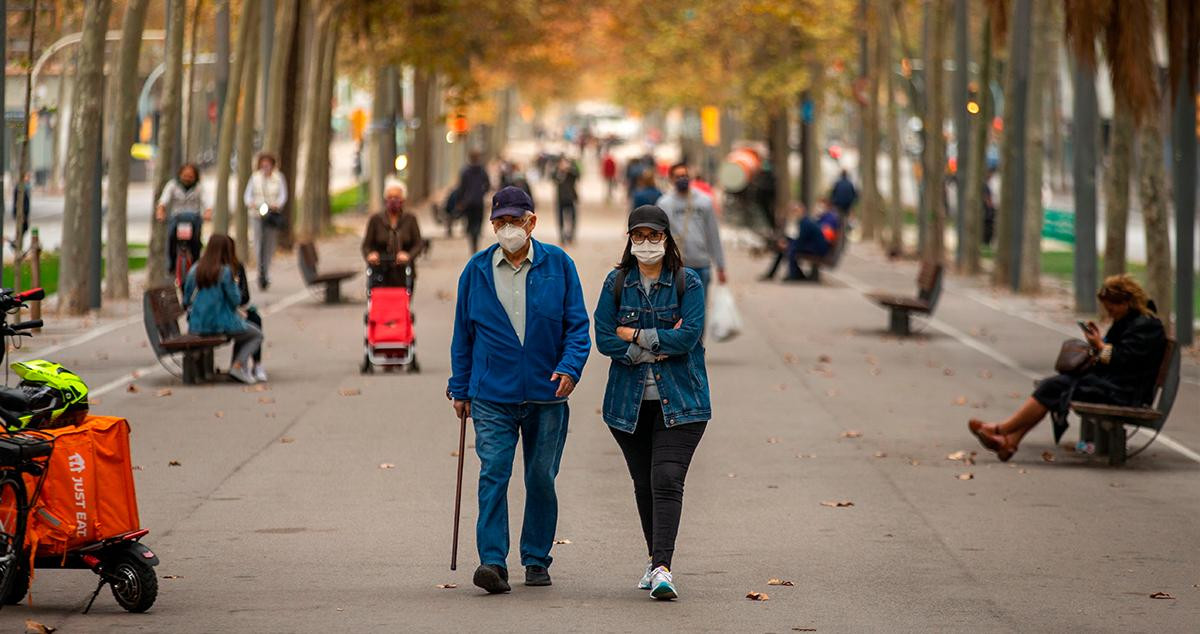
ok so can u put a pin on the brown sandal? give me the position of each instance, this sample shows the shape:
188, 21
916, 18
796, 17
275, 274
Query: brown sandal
986, 439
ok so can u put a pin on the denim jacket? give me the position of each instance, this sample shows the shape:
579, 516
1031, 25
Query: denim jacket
681, 377
213, 310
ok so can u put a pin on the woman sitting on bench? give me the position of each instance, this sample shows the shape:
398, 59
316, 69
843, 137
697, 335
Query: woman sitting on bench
813, 237
1123, 373
212, 297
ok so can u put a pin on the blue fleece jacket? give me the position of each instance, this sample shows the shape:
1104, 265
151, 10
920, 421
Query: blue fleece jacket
487, 359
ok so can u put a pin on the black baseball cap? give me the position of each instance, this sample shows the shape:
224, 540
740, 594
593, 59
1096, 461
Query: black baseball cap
649, 216
511, 201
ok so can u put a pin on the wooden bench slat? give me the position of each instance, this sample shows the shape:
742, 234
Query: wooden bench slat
1115, 411
332, 276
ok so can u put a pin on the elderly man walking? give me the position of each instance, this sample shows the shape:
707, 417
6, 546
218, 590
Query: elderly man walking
520, 342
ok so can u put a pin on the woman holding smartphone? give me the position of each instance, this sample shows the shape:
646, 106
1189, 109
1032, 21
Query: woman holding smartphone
649, 321
1123, 373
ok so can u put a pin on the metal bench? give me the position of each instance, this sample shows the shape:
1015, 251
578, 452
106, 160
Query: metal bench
189, 357
1105, 424
829, 260
929, 290
331, 281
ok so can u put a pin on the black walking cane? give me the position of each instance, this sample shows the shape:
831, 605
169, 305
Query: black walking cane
462, 442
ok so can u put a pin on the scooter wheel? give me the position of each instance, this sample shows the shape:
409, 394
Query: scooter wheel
19, 585
134, 584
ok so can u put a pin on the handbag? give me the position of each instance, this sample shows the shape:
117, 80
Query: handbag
1075, 357
275, 220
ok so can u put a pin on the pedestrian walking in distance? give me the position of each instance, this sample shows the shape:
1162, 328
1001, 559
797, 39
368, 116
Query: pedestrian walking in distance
519, 346
265, 196
694, 223
649, 321
473, 185
566, 179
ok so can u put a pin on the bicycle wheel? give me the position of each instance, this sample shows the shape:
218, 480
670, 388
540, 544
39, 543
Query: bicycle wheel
12, 531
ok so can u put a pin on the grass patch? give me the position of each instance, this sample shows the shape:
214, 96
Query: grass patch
348, 199
50, 263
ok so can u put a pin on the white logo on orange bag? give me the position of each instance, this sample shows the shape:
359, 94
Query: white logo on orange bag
75, 463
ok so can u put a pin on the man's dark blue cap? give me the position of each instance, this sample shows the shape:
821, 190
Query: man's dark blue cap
511, 201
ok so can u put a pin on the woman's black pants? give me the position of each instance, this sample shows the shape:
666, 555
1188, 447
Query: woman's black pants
658, 457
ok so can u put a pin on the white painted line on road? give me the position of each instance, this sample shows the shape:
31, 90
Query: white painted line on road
283, 304
82, 339
998, 356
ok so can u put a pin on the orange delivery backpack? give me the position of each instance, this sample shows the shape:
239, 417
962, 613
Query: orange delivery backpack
88, 494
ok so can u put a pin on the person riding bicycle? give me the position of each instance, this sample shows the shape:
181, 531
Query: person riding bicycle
393, 232
183, 202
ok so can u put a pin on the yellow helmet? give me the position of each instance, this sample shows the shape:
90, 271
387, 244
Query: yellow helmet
58, 395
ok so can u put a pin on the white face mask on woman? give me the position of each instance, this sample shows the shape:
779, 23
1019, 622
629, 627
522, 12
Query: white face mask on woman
648, 253
511, 238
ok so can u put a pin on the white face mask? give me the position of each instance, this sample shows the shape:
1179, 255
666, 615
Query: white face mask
647, 253
511, 238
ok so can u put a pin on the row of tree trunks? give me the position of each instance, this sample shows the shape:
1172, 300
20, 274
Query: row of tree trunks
124, 118
168, 135
309, 182
1043, 63
251, 54
247, 24
280, 66
86, 131
935, 155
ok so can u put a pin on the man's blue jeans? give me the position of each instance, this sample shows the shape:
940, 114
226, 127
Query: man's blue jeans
705, 273
542, 429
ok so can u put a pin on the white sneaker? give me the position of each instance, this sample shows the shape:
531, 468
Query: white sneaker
661, 586
644, 584
260, 374
240, 374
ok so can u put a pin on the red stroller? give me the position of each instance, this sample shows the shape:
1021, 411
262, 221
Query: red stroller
390, 341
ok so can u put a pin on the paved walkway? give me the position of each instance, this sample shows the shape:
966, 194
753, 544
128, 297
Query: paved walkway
280, 519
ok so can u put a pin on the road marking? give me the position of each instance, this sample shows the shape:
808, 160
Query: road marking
281, 305
82, 339
1000, 357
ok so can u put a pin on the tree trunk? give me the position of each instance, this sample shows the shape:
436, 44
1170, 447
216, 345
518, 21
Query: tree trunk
870, 126
810, 162
1152, 193
1116, 188
962, 126
168, 133
381, 113
896, 213
292, 116
777, 124
976, 166
326, 129
251, 59
247, 25
277, 77
86, 134
189, 109
1044, 60
19, 210
1010, 212
1085, 134
116, 274
935, 155
419, 167
308, 217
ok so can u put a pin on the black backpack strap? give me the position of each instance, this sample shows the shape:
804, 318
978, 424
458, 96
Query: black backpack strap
618, 288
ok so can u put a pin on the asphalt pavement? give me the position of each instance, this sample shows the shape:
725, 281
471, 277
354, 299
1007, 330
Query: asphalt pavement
324, 501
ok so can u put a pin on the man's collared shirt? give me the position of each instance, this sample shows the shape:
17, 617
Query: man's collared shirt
510, 288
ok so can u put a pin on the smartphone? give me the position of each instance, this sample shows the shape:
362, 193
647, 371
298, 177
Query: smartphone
1084, 327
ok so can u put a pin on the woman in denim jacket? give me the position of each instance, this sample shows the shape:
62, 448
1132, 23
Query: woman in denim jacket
649, 320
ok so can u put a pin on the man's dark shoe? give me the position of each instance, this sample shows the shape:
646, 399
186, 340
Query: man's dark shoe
537, 576
492, 578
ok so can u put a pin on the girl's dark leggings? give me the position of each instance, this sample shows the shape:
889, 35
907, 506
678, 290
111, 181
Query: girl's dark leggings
658, 459
254, 317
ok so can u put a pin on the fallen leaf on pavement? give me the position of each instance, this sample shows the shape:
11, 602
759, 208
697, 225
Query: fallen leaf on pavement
286, 439
835, 504
1162, 595
758, 596
824, 359
219, 414
804, 629
1014, 395
133, 388
852, 433
881, 454
1116, 485
562, 541
914, 462
832, 392
732, 475
985, 374
962, 400
174, 463
966, 457
876, 371
790, 359
948, 372
33, 627
443, 295
386, 465
872, 360
454, 454
166, 391
1048, 456
349, 391
1022, 471
257, 387
779, 582
136, 374
447, 586
172, 576
806, 455
773, 441
966, 476
266, 400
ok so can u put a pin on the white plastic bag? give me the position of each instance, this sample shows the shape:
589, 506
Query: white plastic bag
724, 320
